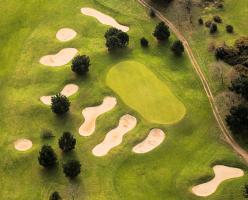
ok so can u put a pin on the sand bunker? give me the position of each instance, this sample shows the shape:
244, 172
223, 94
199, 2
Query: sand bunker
65, 34
114, 137
104, 19
61, 58
67, 91
23, 144
154, 139
222, 173
91, 113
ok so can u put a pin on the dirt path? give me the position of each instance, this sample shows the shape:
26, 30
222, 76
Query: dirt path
229, 139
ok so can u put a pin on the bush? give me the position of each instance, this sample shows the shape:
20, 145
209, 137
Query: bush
217, 19
67, 142
60, 104
229, 29
208, 23
213, 28
161, 32
200, 21
80, 64
55, 196
47, 157
116, 39
177, 48
152, 13
237, 120
72, 168
228, 54
46, 134
144, 42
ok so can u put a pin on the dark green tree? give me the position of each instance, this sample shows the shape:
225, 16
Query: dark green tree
237, 120
60, 104
72, 168
213, 28
229, 29
80, 64
200, 21
67, 142
240, 86
161, 32
47, 157
55, 196
177, 48
116, 39
217, 19
144, 42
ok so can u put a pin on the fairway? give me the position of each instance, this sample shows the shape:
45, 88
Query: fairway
140, 89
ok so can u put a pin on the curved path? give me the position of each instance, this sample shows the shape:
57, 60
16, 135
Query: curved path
204, 81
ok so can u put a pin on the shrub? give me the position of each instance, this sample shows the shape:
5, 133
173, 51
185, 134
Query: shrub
228, 54
55, 196
213, 28
200, 21
144, 42
217, 19
60, 104
229, 29
152, 13
177, 48
80, 64
47, 157
208, 23
67, 142
72, 168
161, 32
237, 120
116, 39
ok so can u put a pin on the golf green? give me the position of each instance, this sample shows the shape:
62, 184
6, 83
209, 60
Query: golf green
140, 89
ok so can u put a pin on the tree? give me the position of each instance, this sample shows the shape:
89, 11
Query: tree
116, 39
208, 23
55, 196
177, 48
242, 45
47, 157
240, 86
237, 120
200, 21
229, 29
144, 42
161, 32
80, 64
217, 19
67, 142
228, 54
213, 28
60, 104
72, 168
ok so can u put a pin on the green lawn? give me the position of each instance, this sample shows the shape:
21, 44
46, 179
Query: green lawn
139, 88
192, 146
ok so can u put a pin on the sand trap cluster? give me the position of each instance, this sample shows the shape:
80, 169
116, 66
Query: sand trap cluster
222, 173
104, 19
154, 139
67, 91
23, 144
114, 137
63, 57
92, 113
65, 34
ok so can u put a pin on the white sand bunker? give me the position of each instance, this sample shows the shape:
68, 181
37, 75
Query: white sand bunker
23, 144
222, 173
153, 140
91, 113
114, 137
104, 19
67, 91
63, 57
65, 34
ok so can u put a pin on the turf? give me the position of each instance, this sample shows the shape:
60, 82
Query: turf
191, 148
139, 88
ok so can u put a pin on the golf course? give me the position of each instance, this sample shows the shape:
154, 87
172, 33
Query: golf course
140, 122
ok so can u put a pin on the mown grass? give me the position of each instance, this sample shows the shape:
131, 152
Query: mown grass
192, 146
